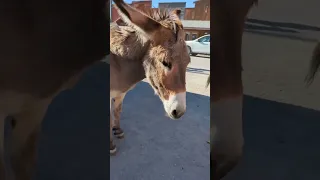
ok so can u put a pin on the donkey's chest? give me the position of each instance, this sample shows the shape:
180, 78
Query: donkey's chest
117, 93
119, 83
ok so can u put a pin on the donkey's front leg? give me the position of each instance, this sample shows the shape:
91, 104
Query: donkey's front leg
24, 141
226, 135
113, 148
117, 109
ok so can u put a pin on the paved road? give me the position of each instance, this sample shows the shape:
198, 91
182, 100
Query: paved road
197, 75
281, 116
199, 63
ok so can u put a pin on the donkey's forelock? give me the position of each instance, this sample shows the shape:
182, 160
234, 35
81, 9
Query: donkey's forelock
167, 18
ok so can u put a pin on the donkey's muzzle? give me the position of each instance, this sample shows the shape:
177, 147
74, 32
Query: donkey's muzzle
176, 105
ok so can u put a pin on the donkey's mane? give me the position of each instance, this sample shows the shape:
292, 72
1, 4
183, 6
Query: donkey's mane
158, 14
164, 17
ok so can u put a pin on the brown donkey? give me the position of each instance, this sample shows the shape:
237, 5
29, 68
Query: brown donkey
151, 45
226, 128
44, 48
227, 93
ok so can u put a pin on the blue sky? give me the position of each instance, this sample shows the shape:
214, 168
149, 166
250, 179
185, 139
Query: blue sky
190, 3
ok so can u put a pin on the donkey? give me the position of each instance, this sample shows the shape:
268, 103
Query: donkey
151, 45
226, 139
43, 50
226, 128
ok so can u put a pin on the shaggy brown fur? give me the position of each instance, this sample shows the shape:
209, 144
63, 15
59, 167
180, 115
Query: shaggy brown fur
151, 45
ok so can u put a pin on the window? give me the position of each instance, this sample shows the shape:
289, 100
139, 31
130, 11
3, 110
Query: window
194, 36
208, 39
187, 36
204, 39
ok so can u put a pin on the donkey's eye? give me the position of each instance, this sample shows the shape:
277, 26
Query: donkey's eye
166, 64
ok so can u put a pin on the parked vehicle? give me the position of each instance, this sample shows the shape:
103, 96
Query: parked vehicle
200, 45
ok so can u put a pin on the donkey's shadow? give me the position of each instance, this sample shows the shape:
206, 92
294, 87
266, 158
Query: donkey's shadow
156, 147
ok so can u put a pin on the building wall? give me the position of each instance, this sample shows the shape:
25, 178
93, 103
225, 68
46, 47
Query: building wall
189, 14
141, 5
202, 10
174, 5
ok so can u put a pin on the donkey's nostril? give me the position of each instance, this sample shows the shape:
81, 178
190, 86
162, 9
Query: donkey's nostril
174, 113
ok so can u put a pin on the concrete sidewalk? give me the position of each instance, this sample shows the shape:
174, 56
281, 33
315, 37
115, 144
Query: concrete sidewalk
158, 148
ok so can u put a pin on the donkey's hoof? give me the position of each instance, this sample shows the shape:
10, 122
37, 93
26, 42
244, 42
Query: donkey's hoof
118, 132
113, 149
119, 136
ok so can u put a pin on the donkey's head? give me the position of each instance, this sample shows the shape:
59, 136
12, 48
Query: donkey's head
167, 58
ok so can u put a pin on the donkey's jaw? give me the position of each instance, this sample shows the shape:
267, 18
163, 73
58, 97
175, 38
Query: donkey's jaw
175, 106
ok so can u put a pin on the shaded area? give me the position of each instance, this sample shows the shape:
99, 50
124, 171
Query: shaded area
75, 138
266, 28
284, 25
282, 142
280, 29
288, 36
156, 147
198, 70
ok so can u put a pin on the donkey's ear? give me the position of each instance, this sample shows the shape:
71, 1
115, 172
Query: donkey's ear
175, 14
120, 22
134, 17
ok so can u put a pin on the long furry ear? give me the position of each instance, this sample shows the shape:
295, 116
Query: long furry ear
175, 14
135, 18
120, 22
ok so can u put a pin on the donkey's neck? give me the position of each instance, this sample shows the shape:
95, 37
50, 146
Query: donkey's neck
127, 55
124, 74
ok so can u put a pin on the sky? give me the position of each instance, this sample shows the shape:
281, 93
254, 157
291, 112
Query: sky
189, 4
